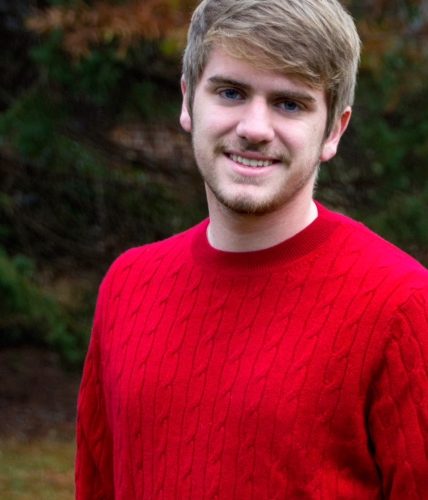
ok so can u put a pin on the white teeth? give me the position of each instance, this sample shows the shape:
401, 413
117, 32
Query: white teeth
251, 163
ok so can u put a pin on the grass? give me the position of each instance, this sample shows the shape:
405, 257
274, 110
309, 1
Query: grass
39, 470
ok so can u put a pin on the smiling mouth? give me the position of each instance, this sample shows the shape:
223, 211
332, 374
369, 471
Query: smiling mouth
249, 162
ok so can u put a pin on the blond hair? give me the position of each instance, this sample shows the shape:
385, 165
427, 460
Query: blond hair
315, 41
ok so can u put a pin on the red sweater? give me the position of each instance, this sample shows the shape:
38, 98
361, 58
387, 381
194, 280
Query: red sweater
299, 371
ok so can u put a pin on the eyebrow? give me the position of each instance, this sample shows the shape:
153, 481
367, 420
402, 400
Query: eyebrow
294, 95
220, 80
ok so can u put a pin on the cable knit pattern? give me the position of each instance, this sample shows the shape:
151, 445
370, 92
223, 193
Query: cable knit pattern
299, 371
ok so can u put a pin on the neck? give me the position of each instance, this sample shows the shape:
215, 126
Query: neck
232, 232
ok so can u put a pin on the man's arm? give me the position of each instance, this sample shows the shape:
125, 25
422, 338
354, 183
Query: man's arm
94, 460
398, 417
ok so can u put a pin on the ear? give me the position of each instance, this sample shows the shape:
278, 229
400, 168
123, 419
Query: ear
185, 117
331, 144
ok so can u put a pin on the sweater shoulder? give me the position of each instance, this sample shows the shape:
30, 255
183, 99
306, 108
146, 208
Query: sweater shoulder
152, 255
379, 257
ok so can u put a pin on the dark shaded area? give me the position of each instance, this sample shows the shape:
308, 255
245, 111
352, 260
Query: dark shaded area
37, 396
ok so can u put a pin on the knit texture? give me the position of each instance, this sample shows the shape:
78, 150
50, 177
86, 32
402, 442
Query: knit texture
298, 371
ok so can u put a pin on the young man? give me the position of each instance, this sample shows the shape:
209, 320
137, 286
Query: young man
276, 350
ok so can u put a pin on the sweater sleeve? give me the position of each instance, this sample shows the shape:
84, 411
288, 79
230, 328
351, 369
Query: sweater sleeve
398, 418
94, 458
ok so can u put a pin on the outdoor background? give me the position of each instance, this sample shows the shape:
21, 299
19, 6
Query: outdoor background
92, 162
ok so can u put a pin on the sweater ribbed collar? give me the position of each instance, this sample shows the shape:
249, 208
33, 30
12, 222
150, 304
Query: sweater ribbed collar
304, 243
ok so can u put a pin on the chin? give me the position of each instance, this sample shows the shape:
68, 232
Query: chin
246, 205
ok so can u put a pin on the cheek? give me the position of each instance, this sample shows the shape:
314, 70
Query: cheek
208, 133
214, 121
315, 139
298, 140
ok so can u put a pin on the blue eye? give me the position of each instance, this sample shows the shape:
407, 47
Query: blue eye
231, 94
289, 106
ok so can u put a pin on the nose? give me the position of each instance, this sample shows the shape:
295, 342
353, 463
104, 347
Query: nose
255, 123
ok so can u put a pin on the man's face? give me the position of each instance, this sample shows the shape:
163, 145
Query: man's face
258, 135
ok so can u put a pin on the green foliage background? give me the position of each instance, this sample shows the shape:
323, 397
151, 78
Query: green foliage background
71, 200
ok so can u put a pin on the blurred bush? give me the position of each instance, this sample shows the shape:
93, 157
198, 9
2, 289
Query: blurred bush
29, 314
75, 192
